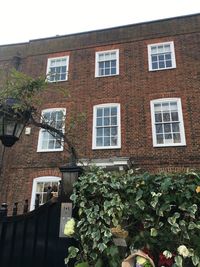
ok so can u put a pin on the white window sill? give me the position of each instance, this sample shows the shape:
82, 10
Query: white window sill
169, 145
106, 147
50, 150
162, 69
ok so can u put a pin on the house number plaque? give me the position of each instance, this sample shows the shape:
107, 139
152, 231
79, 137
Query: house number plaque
65, 215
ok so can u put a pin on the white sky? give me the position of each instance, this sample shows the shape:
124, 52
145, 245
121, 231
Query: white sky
23, 20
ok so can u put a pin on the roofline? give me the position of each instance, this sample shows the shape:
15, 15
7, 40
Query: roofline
103, 29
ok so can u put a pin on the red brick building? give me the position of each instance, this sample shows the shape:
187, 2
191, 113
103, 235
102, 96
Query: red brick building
138, 87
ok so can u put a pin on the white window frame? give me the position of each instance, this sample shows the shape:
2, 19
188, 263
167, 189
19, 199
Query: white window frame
94, 146
181, 123
97, 62
41, 179
40, 139
48, 68
173, 58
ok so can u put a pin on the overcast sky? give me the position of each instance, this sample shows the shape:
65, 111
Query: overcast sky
24, 20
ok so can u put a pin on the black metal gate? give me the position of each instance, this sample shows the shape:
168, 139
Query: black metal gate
32, 239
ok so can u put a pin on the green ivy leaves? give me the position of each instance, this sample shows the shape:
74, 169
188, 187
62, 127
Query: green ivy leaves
160, 212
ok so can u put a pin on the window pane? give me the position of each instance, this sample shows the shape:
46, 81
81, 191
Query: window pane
106, 111
101, 57
154, 58
114, 131
165, 106
159, 128
158, 117
58, 144
113, 141
107, 131
63, 77
160, 48
99, 112
174, 116
175, 127
168, 64
99, 141
99, 122
161, 64
167, 128
107, 71
168, 56
107, 56
166, 116
153, 49
51, 144
161, 57
107, 64
113, 120
106, 121
39, 187
113, 63
113, 71
154, 66
99, 131
177, 138
44, 144
168, 136
159, 138
167, 47
113, 55
157, 107
106, 141
101, 65
113, 111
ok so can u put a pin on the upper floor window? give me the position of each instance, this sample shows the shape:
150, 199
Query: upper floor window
161, 56
49, 141
167, 122
106, 126
57, 69
107, 63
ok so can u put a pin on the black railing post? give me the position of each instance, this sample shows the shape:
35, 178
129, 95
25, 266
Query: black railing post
37, 201
49, 193
3, 210
25, 210
15, 208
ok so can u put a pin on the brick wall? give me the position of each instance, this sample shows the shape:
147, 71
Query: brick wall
133, 88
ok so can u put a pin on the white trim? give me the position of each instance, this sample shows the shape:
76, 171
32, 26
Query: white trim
172, 55
118, 126
41, 179
105, 162
39, 149
48, 67
181, 125
97, 61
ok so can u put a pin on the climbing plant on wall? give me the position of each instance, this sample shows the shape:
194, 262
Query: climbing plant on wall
156, 213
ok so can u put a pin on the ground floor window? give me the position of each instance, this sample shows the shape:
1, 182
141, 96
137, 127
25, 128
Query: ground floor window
41, 186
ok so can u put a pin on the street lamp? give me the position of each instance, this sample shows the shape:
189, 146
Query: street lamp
12, 122
70, 174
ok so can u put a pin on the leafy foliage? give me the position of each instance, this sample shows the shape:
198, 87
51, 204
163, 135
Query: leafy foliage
160, 212
21, 87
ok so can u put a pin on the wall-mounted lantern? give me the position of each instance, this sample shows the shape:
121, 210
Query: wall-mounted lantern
12, 122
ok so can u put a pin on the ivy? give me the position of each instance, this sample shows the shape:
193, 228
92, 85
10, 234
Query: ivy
154, 212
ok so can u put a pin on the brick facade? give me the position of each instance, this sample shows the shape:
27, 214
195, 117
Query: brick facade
133, 88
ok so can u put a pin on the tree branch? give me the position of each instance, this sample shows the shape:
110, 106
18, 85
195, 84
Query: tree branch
71, 150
